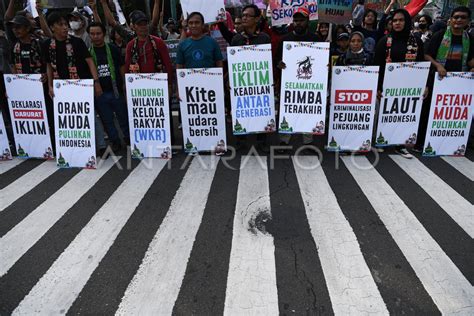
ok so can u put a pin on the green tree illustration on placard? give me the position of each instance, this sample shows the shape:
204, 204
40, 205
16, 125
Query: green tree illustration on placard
238, 127
381, 140
333, 143
62, 162
136, 153
21, 152
188, 146
284, 126
429, 150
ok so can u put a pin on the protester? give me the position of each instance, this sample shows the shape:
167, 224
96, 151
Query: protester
67, 57
78, 24
251, 36
424, 24
110, 69
341, 46
450, 50
169, 32
300, 33
355, 55
199, 50
323, 31
400, 45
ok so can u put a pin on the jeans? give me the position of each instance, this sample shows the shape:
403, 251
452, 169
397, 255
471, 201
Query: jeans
106, 106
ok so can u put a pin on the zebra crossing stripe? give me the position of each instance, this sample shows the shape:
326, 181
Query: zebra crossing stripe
446, 285
351, 286
460, 210
24, 184
463, 165
251, 281
58, 288
9, 164
24, 235
155, 286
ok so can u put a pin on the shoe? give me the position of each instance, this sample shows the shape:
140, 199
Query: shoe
180, 126
404, 153
417, 150
379, 149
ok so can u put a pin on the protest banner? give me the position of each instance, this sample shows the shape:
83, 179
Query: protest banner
351, 119
450, 115
28, 115
212, 10
400, 107
5, 153
149, 115
202, 110
304, 85
282, 10
376, 5
335, 11
74, 123
251, 85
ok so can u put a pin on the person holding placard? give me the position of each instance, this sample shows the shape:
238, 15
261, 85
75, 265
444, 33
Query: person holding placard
400, 45
300, 33
449, 50
110, 71
355, 55
251, 36
67, 57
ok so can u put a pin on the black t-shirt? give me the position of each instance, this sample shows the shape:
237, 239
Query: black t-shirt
103, 68
454, 58
254, 39
25, 52
80, 54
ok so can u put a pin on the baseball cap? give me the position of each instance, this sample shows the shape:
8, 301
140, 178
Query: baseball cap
138, 16
20, 20
343, 36
303, 11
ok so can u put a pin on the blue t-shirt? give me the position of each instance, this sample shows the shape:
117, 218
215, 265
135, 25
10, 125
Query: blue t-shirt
202, 53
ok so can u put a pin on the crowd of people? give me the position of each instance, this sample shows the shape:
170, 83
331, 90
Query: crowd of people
80, 45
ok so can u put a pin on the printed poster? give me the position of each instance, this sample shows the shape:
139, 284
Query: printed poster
28, 114
335, 11
74, 123
149, 115
400, 106
351, 118
304, 86
282, 10
251, 85
450, 115
202, 110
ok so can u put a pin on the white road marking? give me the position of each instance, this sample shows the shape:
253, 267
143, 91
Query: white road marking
57, 290
9, 164
350, 284
460, 210
443, 281
155, 286
462, 164
26, 183
24, 235
251, 282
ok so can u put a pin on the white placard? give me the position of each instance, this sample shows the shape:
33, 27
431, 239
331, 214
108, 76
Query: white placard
28, 114
202, 109
450, 115
400, 107
351, 118
304, 86
74, 123
251, 89
212, 10
5, 153
149, 115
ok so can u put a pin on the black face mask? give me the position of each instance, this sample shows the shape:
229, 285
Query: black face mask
422, 26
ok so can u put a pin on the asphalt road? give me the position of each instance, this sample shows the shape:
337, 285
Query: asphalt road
250, 234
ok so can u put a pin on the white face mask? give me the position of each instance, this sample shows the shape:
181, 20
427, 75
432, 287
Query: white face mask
75, 25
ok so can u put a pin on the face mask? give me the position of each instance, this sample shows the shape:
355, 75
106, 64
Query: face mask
75, 25
422, 26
